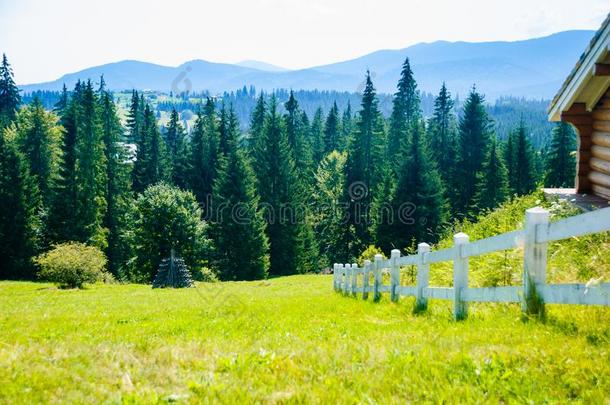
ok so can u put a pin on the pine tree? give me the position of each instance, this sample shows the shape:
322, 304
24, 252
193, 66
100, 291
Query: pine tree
276, 181
418, 208
473, 143
90, 171
296, 134
135, 118
9, 94
346, 127
442, 134
118, 181
256, 125
363, 168
62, 221
332, 134
19, 207
405, 111
316, 136
492, 189
561, 163
522, 181
205, 150
38, 138
238, 230
178, 151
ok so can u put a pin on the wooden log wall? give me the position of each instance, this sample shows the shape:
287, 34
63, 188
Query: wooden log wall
599, 161
593, 159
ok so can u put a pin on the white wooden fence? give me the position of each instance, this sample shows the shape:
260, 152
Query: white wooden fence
534, 292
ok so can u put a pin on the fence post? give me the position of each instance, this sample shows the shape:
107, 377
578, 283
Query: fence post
346, 270
335, 275
365, 280
354, 278
394, 275
460, 276
377, 275
534, 261
423, 278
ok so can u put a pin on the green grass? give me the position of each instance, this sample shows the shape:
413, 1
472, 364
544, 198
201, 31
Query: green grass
288, 340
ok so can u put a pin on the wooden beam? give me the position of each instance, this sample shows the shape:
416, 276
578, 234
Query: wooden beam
602, 69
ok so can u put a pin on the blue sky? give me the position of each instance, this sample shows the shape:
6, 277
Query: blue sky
45, 39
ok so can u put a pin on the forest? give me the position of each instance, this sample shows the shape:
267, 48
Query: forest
310, 179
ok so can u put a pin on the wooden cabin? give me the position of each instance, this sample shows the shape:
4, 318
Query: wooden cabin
584, 101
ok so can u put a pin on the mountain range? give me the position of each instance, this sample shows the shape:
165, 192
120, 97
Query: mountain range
533, 68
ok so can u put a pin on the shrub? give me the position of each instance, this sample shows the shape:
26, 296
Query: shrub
72, 264
164, 218
369, 254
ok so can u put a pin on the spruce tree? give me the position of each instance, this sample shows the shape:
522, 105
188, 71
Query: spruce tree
19, 208
363, 168
178, 151
332, 130
277, 183
442, 130
492, 189
316, 136
135, 118
257, 123
90, 171
205, 150
9, 94
62, 221
561, 163
118, 181
473, 143
522, 181
238, 229
405, 111
346, 127
418, 208
38, 137
296, 134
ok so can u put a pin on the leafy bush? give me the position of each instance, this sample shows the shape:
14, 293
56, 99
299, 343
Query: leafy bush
72, 264
369, 254
164, 217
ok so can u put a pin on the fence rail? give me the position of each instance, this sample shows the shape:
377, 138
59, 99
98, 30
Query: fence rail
532, 295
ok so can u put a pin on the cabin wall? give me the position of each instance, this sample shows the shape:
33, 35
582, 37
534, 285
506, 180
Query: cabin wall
598, 160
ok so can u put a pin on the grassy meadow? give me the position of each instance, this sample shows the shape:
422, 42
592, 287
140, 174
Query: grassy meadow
288, 340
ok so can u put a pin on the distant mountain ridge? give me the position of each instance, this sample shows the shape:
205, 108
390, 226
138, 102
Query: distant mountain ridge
533, 68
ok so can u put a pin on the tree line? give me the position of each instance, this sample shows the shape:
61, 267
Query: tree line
293, 194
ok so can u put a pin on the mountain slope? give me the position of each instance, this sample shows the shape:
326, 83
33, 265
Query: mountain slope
532, 68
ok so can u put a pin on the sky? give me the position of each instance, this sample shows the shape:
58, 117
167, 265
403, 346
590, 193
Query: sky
45, 39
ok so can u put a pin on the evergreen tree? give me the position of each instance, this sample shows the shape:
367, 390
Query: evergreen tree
405, 111
363, 168
316, 136
418, 209
561, 163
346, 127
473, 142
238, 230
62, 221
135, 118
332, 134
442, 135
19, 207
9, 94
38, 138
90, 171
522, 180
492, 189
257, 123
282, 208
296, 134
118, 181
205, 150
178, 151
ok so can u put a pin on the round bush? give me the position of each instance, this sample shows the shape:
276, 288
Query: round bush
72, 264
